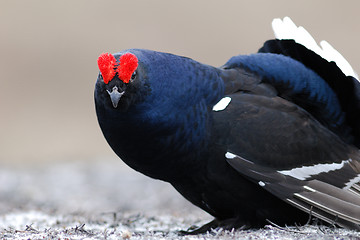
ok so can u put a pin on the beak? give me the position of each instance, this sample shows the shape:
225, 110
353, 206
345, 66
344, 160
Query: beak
115, 96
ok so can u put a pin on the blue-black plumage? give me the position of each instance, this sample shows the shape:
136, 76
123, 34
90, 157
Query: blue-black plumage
273, 135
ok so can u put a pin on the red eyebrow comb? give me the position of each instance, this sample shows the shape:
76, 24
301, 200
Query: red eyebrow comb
106, 63
128, 65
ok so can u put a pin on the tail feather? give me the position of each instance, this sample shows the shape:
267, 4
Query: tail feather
286, 29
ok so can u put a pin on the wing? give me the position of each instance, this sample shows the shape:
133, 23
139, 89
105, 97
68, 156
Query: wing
281, 147
334, 205
274, 132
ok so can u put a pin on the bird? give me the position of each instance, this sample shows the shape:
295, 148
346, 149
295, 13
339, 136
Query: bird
270, 136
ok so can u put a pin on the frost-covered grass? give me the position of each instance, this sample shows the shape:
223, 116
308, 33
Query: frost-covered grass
38, 225
106, 200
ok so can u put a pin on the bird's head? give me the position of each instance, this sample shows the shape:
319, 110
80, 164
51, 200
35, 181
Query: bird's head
119, 79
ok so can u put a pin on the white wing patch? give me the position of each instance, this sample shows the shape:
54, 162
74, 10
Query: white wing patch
305, 172
261, 184
286, 29
222, 104
352, 182
230, 155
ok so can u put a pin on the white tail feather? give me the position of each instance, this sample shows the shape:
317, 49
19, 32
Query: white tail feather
286, 29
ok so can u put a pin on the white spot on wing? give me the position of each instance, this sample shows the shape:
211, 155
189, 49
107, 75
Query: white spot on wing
261, 183
222, 104
352, 182
229, 155
305, 172
310, 189
286, 29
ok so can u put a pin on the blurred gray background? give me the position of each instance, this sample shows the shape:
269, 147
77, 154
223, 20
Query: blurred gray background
48, 53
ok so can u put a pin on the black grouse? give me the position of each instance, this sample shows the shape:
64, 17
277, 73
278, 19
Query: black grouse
273, 135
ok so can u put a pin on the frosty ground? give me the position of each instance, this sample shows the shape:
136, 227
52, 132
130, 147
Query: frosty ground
103, 199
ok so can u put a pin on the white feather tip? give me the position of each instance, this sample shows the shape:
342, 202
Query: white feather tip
286, 29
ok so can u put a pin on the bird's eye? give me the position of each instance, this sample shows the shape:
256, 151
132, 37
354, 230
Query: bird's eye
133, 76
